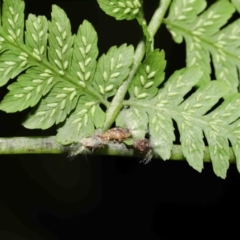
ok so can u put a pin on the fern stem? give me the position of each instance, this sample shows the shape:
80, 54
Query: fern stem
30, 145
117, 101
157, 17
49, 145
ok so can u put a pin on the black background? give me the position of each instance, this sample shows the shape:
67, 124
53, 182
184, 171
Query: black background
51, 197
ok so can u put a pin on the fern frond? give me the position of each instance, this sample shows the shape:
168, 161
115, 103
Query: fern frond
28, 90
60, 40
112, 69
11, 34
13, 20
155, 116
147, 79
82, 121
190, 117
205, 40
54, 108
124, 9
85, 52
60, 73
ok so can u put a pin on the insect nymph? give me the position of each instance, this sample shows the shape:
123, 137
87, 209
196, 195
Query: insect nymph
115, 134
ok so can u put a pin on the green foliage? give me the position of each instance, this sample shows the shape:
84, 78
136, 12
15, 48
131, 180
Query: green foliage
62, 78
149, 76
204, 39
112, 69
124, 9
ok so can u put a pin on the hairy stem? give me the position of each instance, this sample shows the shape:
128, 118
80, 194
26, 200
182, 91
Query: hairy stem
49, 145
116, 103
31, 145
157, 17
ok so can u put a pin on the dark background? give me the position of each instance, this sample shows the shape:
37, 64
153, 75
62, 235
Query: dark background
51, 197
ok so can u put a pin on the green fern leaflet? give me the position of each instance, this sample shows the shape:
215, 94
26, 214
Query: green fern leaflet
62, 78
204, 39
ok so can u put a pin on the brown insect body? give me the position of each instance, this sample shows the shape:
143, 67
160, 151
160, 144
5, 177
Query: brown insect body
116, 134
142, 145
